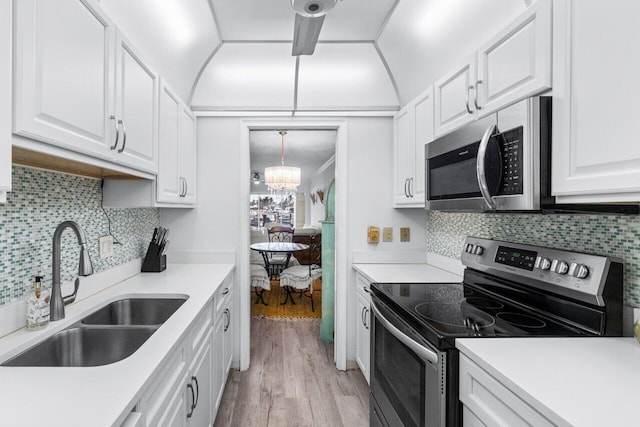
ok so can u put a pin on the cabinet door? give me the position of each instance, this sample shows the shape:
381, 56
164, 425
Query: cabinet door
201, 371
5, 99
168, 184
516, 63
218, 361
454, 95
362, 332
423, 108
403, 154
596, 154
137, 109
188, 155
64, 75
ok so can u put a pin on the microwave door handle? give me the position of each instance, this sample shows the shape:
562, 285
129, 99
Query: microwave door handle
422, 351
480, 170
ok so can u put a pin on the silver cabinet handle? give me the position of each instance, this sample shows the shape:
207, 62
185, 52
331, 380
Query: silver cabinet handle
195, 379
186, 187
193, 399
181, 187
480, 171
422, 351
226, 291
366, 289
366, 314
362, 316
115, 122
406, 188
475, 99
227, 314
467, 105
411, 187
124, 136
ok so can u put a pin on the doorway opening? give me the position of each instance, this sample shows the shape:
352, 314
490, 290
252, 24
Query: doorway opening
291, 281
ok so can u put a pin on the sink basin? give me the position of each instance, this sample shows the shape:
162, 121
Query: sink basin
135, 311
84, 346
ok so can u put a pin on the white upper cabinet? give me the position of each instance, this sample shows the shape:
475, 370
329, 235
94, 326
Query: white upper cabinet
176, 183
516, 63
80, 85
453, 98
169, 182
5, 99
513, 65
63, 74
596, 153
136, 109
188, 155
413, 126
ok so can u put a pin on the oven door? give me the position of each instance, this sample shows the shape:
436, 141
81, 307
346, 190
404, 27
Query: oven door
408, 376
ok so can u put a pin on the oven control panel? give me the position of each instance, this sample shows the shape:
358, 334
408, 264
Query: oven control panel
557, 270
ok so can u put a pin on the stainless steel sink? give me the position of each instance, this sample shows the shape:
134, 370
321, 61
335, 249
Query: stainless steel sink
105, 336
135, 311
84, 346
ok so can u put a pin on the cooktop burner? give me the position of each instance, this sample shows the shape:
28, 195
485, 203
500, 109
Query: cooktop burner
455, 315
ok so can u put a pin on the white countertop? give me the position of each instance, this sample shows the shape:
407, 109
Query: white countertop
102, 395
406, 273
571, 381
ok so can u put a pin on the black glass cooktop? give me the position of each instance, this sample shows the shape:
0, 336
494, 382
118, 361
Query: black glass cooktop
444, 311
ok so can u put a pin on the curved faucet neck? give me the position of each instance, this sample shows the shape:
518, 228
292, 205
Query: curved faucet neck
57, 239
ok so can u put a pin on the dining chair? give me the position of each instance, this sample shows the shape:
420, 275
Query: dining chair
277, 262
301, 277
260, 282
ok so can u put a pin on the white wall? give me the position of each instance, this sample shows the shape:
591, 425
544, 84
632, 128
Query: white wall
321, 180
214, 225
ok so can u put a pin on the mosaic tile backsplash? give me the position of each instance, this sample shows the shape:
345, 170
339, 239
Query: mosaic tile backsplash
41, 200
613, 235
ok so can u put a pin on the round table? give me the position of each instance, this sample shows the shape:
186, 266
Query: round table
287, 248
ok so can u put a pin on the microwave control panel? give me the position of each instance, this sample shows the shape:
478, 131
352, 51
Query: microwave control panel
511, 147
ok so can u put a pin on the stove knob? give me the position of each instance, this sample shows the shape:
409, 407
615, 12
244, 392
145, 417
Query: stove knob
469, 248
543, 263
560, 267
578, 270
478, 250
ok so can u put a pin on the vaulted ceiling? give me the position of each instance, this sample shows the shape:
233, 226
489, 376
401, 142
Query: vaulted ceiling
372, 54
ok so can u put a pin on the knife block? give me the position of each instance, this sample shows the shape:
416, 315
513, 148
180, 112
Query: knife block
153, 261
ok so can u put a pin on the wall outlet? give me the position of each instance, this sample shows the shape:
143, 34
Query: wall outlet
405, 234
373, 235
106, 246
387, 234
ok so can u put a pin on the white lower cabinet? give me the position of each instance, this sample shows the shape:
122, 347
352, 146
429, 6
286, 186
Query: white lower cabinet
188, 390
486, 401
596, 154
363, 325
223, 330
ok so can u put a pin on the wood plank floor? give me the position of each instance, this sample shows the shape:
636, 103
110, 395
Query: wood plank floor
293, 381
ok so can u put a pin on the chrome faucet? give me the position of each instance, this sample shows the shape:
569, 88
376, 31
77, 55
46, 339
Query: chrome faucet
85, 268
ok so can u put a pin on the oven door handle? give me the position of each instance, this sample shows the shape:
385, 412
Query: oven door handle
480, 170
422, 351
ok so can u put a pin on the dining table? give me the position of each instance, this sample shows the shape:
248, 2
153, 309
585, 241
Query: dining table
266, 249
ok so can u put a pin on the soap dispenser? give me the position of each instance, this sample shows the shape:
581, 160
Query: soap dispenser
38, 306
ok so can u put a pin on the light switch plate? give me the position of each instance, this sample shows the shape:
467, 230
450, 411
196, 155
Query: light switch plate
405, 234
387, 234
106, 246
373, 235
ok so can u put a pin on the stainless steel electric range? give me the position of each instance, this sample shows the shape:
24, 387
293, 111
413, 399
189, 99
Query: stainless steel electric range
508, 290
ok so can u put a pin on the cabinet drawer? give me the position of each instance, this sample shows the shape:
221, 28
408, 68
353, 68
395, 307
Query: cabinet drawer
223, 296
171, 377
362, 286
491, 402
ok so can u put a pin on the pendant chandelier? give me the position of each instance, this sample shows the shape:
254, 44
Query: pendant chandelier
282, 179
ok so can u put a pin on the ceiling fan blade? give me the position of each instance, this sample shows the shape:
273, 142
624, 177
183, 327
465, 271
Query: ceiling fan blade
305, 34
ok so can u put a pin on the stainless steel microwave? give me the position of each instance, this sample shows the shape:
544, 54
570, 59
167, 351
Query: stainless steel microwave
498, 163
